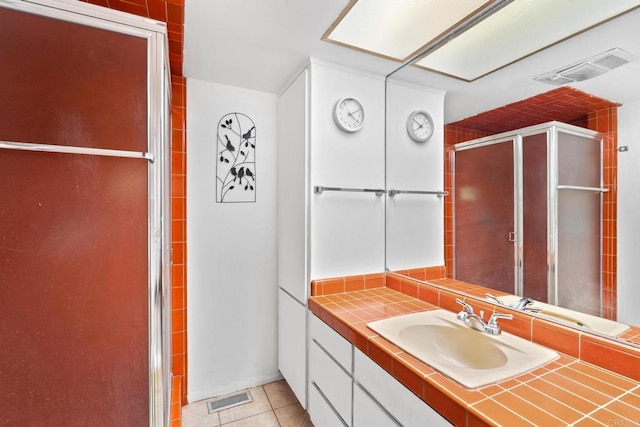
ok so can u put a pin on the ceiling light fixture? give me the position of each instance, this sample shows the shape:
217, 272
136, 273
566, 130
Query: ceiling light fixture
399, 29
518, 30
466, 39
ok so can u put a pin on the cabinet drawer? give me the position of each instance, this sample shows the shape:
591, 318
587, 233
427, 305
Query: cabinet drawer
399, 401
368, 413
331, 341
334, 383
319, 410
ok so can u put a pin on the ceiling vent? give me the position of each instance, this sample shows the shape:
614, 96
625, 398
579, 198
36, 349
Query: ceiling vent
588, 68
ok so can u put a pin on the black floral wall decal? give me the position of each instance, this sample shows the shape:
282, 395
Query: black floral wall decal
236, 159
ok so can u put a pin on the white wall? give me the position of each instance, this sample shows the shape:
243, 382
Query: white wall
628, 210
232, 250
347, 229
415, 222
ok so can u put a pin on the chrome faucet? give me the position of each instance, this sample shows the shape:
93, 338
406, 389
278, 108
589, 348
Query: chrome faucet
475, 321
523, 304
492, 327
495, 299
469, 317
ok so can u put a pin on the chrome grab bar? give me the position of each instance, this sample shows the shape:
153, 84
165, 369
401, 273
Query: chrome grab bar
578, 187
319, 189
437, 193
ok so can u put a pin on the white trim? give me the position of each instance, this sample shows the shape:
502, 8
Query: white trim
335, 66
293, 79
417, 86
230, 388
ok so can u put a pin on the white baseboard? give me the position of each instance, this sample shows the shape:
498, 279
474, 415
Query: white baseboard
194, 396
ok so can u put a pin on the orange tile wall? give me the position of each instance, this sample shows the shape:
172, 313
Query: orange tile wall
606, 121
172, 13
179, 231
567, 105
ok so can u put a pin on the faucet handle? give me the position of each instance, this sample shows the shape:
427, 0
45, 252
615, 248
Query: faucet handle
494, 298
492, 326
522, 303
464, 305
466, 310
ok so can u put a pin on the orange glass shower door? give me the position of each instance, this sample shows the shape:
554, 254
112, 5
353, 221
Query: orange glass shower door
484, 216
74, 250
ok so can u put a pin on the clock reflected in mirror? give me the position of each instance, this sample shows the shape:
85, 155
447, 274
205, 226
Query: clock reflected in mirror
420, 126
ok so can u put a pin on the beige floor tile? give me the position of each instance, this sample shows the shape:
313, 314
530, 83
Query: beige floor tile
259, 413
293, 416
266, 419
196, 421
279, 394
259, 405
196, 415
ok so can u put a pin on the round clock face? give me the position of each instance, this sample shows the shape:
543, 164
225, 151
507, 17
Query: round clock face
420, 126
348, 114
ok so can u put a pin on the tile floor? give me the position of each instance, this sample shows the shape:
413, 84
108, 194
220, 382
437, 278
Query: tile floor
274, 405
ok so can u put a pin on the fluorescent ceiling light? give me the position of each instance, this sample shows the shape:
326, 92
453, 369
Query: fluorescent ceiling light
466, 39
520, 29
398, 29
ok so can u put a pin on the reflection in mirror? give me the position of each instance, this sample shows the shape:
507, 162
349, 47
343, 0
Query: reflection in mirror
570, 317
527, 214
412, 245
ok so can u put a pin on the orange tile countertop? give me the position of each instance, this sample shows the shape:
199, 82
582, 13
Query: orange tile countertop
568, 391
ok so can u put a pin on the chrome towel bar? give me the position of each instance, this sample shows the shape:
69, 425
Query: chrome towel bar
577, 187
318, 189
436, 193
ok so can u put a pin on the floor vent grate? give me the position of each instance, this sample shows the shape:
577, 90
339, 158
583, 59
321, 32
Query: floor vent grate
220, 403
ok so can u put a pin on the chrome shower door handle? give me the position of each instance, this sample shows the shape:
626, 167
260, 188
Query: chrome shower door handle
512, 236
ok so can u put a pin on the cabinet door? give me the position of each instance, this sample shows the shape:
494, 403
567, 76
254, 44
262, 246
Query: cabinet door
292, 180
292, 344
368, 413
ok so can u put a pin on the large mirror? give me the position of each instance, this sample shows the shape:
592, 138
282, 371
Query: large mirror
420, 225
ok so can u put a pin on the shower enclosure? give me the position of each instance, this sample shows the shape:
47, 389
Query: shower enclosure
84, 219
528, 214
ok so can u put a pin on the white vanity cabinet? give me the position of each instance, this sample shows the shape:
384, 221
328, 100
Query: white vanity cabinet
399, 402
346, 388
330, 367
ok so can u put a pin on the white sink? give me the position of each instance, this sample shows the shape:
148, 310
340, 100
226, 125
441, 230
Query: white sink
572, 317
470, 357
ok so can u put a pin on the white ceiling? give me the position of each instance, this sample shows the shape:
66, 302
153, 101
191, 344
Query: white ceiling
261, 44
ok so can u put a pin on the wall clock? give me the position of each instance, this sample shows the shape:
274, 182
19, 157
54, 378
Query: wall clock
419, 126
348, 114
